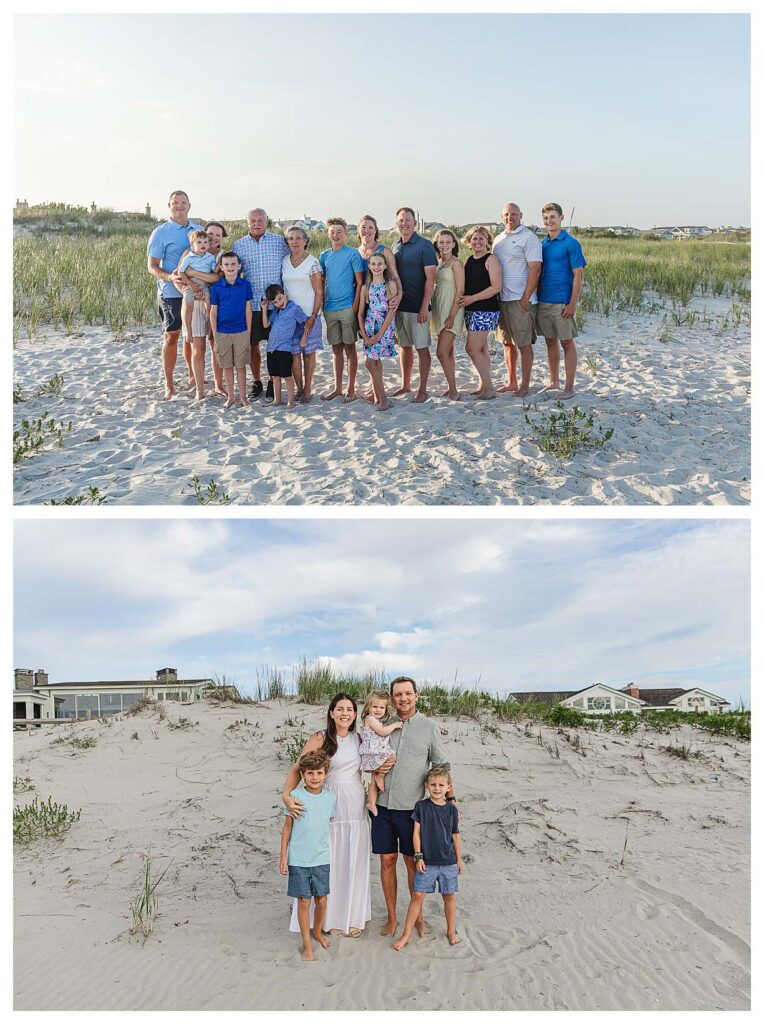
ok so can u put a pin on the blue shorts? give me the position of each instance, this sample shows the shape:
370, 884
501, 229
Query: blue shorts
446, 875
169, 310
307, 882
391, 830
481, 320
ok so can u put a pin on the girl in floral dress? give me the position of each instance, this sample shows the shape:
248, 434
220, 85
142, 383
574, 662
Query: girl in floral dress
375, 319
375, 747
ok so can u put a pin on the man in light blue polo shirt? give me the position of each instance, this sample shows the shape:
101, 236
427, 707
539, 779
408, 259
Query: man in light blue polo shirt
562, 275
166, 245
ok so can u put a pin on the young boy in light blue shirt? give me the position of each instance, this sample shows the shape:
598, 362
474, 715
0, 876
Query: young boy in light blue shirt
197, 259
305, 848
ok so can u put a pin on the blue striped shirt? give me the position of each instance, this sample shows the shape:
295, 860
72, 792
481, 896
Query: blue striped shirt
261, 261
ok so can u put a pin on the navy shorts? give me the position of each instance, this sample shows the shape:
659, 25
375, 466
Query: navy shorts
169, 310
307, 882
279, 363
257, 332
392, 832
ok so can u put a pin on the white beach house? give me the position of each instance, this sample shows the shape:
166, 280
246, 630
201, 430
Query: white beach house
35, 697
601, 699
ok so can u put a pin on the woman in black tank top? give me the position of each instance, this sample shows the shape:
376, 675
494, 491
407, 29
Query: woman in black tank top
482, 284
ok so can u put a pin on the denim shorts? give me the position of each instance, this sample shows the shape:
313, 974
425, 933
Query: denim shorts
446, 875
307, 882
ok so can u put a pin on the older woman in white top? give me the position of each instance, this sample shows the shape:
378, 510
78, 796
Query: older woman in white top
304, 284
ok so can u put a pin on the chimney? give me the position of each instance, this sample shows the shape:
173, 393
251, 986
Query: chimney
633, 690
23, 678
41, 677
167, 675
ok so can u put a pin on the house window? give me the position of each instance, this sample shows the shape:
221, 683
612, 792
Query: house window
620, 703
173, 695
578, 702
87, 705
128, 699
65, 706
598, 703
111, 703
160, 696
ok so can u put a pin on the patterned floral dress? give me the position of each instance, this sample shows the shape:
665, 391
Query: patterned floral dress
375, 317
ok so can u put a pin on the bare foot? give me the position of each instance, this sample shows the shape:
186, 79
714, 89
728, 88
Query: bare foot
349, 397
486, 395
390, 928
402, 391
305, 398
383, 405
454, 939
353, 933
218, 393
507, 387
421, 927
334, 393
324, 942
454, 397
245, 403
402, 941
307, 952
551, 387
420, 396
567, 393
168, 394
297, 394
291, 405
522, 392
231, 402
198, 398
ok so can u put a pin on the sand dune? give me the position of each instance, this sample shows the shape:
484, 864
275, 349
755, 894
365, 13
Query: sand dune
549, 916
679, 409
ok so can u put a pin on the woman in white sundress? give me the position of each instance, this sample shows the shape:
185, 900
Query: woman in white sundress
348, 906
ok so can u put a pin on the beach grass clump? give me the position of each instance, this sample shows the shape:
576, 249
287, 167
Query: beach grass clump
566, 431
209, 493
92, 496
563, 716
42, 820
144, 907
181, 723
83, 742
316, 682
146, 703
22, 784
293, 746
36, 434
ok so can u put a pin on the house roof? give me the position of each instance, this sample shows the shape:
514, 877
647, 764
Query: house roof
127, 682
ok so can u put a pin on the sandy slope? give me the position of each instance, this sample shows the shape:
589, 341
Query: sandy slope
679, 408
548, 917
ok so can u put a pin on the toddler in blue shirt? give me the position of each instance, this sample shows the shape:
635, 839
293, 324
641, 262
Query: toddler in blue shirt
286, 321
198, 259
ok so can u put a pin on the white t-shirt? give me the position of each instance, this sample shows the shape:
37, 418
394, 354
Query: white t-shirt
515, 250
296, 281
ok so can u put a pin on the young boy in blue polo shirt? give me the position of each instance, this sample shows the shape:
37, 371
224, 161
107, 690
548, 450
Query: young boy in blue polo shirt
437, 854
231, 320
286, 321
305, 848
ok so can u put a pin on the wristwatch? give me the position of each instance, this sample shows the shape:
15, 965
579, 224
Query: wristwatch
418, 856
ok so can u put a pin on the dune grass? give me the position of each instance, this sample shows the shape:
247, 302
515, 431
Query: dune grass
41, 820
144, 907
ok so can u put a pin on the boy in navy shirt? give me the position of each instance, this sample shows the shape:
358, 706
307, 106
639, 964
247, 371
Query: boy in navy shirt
231, 320
286, 321
305, 848
437, 853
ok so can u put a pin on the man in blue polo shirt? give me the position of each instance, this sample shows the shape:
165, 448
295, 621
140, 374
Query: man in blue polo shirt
417, 266
562, 275
166, 245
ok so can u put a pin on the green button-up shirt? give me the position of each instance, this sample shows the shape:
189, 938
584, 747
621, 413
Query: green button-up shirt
417, 746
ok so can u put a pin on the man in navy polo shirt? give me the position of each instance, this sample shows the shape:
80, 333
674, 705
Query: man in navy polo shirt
562, 275
417, 265
166, 245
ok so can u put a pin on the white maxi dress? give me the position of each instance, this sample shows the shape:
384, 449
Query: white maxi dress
349, 902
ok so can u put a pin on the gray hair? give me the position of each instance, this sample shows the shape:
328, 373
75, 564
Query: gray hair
515, 206
303, 232
257, 209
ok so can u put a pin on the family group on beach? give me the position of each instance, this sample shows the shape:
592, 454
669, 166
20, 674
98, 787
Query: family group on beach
331, 827
268, 288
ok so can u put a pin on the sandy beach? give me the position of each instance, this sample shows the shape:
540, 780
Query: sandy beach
676, 397
613, 877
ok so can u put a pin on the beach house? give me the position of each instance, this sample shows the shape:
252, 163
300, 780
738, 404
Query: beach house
35, 697
601, 699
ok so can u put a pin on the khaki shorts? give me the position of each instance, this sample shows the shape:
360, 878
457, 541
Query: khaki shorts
233, 350
410, 332
550, 323
518, 324
341, 326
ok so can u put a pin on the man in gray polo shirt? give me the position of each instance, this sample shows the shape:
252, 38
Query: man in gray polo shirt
519, 252
418, 746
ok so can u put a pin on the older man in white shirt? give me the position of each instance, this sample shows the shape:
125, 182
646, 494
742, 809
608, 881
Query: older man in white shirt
519, 253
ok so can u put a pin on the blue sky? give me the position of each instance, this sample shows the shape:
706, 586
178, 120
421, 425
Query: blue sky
639, 119
515, 604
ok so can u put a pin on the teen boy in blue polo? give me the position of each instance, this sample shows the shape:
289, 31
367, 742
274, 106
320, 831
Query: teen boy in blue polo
343, 278
418, 746
231, 322
166, 245
562, 275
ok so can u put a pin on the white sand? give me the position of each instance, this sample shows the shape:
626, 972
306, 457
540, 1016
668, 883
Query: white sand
679, 408
547, 916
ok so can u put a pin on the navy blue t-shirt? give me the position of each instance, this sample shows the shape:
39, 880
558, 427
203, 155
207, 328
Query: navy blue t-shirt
437, 823
411, 258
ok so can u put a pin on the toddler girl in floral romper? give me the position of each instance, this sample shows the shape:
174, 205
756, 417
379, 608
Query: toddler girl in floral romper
375, 746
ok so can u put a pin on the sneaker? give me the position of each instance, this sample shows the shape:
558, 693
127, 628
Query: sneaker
257, 389
268, 390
